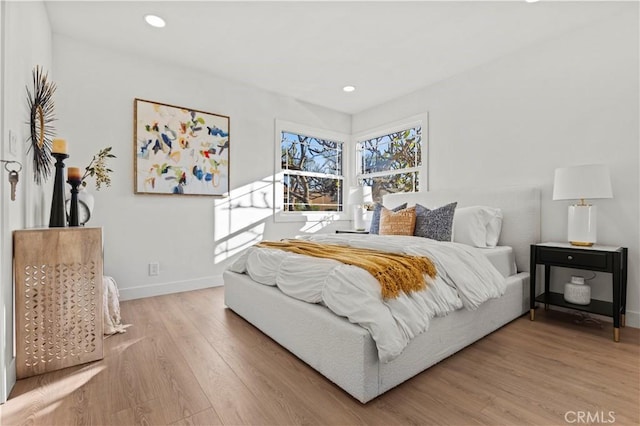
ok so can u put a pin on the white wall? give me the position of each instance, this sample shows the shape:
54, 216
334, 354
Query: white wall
191, 237
567, 101
26, 42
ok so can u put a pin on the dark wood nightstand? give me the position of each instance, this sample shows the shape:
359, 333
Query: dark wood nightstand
596, 258
350, 231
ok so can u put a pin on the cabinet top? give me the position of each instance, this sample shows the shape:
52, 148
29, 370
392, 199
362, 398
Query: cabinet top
57, 229
569, 246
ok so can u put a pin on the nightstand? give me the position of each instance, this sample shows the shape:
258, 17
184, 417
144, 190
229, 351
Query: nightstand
596, 258
350, 231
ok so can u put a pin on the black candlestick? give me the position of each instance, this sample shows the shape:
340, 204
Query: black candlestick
58, 217
73, 208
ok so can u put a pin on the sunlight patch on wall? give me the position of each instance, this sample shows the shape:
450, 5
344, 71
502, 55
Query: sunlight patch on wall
313, 227
239, 220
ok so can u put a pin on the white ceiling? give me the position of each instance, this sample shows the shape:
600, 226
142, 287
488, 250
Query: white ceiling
310, 50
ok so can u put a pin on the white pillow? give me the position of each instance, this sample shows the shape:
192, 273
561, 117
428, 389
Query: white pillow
494, 227
477, 226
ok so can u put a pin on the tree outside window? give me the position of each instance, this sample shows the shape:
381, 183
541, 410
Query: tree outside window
312, 173
391, 162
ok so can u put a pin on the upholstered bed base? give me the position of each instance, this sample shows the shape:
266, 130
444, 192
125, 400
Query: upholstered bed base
345, 353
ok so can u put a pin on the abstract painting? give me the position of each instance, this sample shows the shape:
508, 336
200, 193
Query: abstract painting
180, 150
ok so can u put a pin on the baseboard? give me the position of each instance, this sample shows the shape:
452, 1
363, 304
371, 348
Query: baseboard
632, 318
139, 292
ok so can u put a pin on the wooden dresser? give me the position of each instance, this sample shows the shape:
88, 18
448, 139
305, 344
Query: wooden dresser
58, 291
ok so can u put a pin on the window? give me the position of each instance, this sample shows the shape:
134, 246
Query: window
391, 159
311, 174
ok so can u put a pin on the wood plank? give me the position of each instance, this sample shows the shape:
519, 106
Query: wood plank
206, 417
230, 398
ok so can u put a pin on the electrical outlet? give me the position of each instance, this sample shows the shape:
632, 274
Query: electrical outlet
154, 269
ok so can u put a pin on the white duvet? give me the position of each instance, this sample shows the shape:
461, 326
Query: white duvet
465, 278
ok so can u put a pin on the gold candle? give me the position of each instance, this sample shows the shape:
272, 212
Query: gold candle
59, 146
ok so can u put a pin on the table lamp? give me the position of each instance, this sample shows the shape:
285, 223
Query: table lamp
579, 183
358, 197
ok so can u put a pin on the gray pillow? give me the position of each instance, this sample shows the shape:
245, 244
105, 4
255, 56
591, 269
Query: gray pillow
375, 218
436, 224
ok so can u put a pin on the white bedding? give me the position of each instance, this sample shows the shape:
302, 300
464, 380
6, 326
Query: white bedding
502, 258
465, 277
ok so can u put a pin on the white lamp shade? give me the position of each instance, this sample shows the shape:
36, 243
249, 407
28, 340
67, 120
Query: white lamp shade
367, 196
356, 195
359, 195
582, 182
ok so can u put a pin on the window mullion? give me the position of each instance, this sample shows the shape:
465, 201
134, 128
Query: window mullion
312, 174
387, 173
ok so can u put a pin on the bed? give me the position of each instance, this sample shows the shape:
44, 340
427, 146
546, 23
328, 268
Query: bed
346, 353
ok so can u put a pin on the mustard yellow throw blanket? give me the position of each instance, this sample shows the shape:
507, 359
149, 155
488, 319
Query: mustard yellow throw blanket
395, 272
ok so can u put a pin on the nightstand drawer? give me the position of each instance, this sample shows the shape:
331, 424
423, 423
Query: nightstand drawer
573, 258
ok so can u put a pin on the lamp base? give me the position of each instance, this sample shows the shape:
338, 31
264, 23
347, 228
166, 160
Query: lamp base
358, 218
582, 225
580, 243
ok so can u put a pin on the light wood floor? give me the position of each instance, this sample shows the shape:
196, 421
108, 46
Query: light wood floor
189, 360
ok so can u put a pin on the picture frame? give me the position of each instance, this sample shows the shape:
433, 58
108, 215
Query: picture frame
180, 150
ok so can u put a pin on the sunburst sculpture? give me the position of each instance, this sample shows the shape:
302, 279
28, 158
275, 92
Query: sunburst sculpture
41, 116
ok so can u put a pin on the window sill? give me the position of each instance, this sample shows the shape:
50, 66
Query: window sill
310, 217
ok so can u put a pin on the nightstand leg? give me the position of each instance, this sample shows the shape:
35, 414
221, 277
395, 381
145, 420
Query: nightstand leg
532, 314
546, 307
622, 320
617, 299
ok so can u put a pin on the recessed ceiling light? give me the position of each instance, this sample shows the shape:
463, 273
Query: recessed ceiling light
155, 21
349, 88
531, 1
